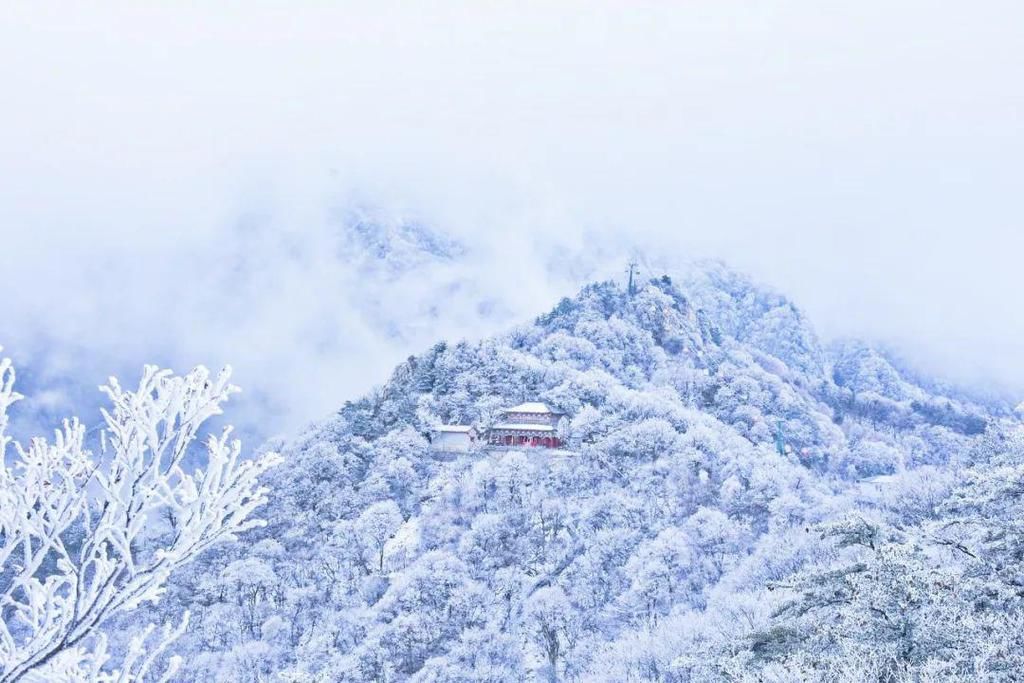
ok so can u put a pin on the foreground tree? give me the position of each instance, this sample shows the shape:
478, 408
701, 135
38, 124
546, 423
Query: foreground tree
76, 540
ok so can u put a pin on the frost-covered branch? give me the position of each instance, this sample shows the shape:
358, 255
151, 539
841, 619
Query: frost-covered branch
74, 548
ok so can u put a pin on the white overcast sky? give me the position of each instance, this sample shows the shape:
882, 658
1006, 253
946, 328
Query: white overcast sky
862, 157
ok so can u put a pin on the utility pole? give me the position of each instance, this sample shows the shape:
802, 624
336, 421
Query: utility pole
633, 272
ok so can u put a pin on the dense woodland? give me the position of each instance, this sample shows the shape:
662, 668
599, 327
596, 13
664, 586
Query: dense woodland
736, 503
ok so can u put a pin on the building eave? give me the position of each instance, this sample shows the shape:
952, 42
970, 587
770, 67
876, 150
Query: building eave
523, 427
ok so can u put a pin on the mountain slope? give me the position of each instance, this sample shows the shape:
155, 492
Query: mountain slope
708, 433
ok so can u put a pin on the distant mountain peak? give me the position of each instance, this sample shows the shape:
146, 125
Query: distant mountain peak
394, 244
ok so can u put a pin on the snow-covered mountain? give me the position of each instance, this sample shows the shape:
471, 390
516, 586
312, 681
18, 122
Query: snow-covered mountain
736, 502
393, 245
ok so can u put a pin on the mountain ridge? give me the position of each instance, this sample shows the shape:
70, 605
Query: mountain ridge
709, 432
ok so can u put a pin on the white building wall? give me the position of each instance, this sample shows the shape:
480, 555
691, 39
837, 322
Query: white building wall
458, 442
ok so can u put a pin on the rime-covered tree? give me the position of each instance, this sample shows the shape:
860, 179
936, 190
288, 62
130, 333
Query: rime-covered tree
77, 545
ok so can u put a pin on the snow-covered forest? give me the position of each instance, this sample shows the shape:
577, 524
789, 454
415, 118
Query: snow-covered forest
511, 342
735, 502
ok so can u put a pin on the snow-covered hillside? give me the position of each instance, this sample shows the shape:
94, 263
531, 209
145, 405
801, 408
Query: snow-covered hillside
737, 503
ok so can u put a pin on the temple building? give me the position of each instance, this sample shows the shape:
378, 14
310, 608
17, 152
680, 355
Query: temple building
527, 424
453, 438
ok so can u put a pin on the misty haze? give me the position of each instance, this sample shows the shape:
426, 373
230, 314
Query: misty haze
572, 341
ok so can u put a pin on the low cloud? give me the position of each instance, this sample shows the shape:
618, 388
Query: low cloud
173, 180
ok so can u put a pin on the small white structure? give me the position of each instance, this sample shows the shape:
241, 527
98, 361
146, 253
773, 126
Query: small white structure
454, 438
